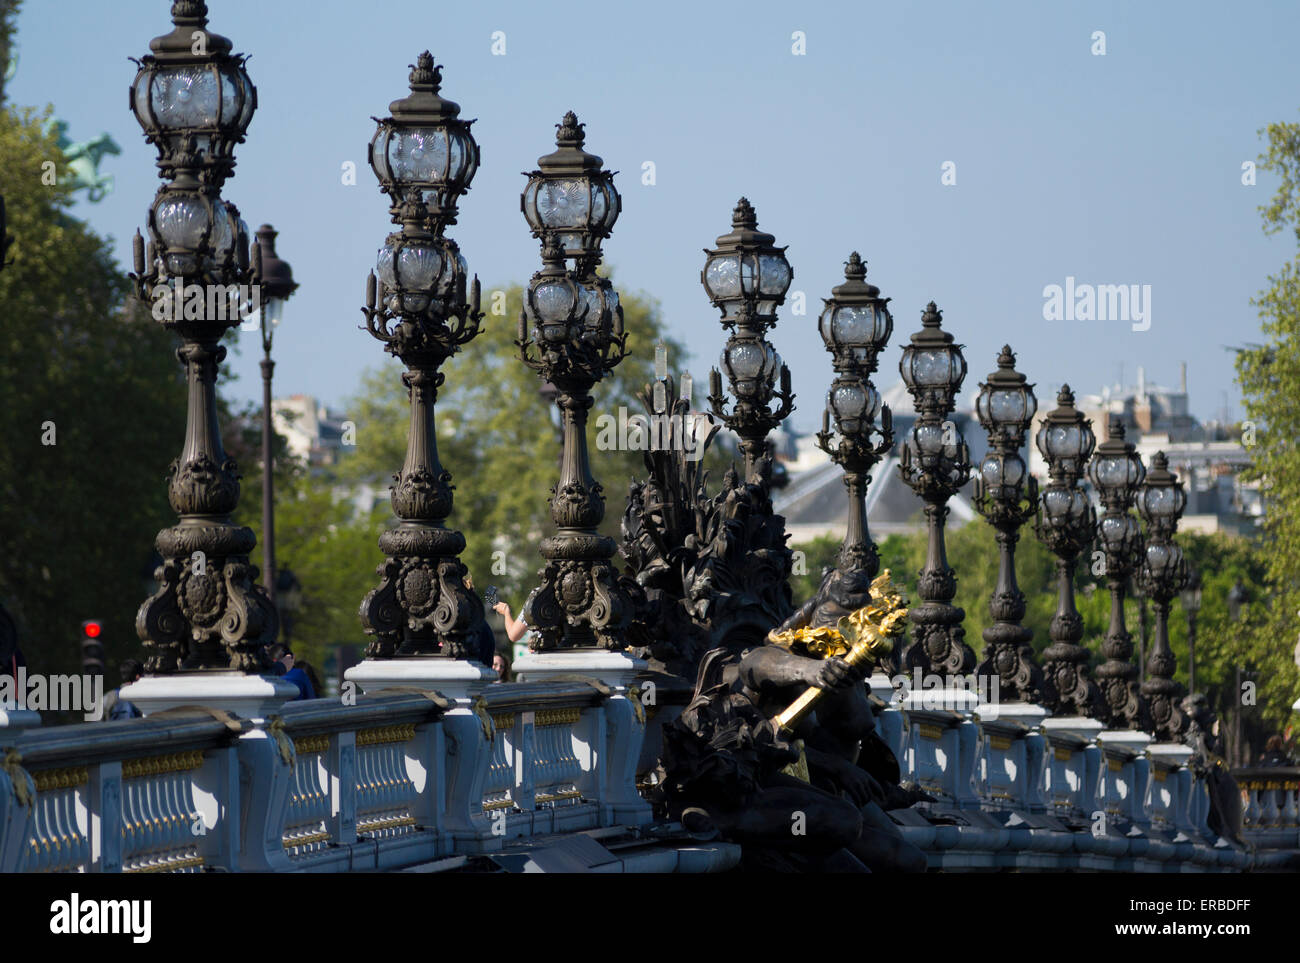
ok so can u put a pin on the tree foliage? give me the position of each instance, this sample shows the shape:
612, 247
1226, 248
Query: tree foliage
86, 368
499, 439
1269, 376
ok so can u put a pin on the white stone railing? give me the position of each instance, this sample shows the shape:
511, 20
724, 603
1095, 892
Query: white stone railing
398, 779
404, 778
1271, 805
1017, 789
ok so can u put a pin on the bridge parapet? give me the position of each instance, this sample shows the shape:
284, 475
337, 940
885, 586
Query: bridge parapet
399, 778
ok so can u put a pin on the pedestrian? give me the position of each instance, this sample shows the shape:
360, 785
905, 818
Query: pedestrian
485, 640
284, 657
515, 628
501, 666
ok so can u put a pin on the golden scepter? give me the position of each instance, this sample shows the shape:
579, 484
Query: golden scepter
858, 638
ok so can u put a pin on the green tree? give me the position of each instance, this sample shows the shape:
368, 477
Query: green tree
320, 535
92, 410
1269, 376
498, 438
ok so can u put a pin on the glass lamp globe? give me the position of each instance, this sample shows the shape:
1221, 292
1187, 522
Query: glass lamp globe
746, 270
183, 89
571, 198
424, 148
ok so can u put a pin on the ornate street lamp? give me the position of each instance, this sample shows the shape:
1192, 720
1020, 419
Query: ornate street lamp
855, 324
1007, 497
419, 309
424, 146
1191, 599
935, 463
275, 278
1117, 472
194, 101
571, 334
746, 278
1164, 573
1065, 524
570, 199
191, 88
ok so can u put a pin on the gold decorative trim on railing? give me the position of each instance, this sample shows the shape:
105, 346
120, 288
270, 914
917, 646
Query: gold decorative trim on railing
496, 804
168, 866
384, 735
49, 844
1115, 765
381, 824
1249, 784
159, 765
1063, 755
504, 721
307, 840
545, 797
933, 733
557, 717
1000, 743
311, 744
68, 777
1158, 775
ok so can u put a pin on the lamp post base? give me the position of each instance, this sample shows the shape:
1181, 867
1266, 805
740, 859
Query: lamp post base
253, 697
454, 678
615, 669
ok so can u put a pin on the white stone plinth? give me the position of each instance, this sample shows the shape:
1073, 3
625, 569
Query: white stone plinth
454, 678
881, 687
1130, 739
1080, 726
1024, 713
611, 668
1170, 753
941, 699
249, 696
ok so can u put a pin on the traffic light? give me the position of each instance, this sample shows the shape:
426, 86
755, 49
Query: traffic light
92, 647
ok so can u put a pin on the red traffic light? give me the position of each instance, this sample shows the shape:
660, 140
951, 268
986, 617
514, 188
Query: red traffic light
91, 629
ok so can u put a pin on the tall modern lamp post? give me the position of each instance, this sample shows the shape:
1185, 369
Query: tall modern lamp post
276, 280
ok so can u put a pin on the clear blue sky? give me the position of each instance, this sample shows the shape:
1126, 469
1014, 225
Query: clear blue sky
1123, 168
